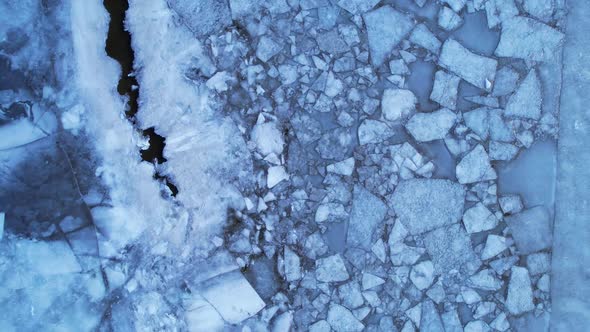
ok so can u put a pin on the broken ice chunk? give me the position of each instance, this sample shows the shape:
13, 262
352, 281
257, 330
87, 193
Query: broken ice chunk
421, 36
526, 101
475, 69
500, 323
502, 151
475, 167
327, 16
451, 321
357, 6
448, 19
484, 309
386, 27
397, 104
538, 263
445, 88
276, 174
398, 67
307, 129
47, 258
528, 39
333, 86
401, 254
479, 219
345, 167
469, 296
457, 5
342, 320
373, 131
520, 293
331, 42
426, 204
366, 218
483, 100
541, 9
268, 138
531, 230
343, 64
478, 121
292, 265
232, 296
430, 319
331, 269
315, 246
320, 326
205, 17
422, 275
379, 250
2, 218
488, 122
426, 127
499, 131
450, 249
332, 212
477, 326
485, 280
370, 281
350, 295
510, 204
267, 48
499, 11
506, 79
335, 144
495, 244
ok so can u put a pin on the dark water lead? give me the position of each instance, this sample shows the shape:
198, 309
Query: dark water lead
118, 47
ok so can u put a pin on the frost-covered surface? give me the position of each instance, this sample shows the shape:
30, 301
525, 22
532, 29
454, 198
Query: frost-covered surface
340, 165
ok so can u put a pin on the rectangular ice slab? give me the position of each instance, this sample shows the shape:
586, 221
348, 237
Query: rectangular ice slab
475, 69
386, 27
232, 296
425, 204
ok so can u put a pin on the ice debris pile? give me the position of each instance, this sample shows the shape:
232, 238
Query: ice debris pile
374, 132
354, 218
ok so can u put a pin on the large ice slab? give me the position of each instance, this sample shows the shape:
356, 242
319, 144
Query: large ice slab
425, 204
232, 296
529, 39
386, 27
473, 68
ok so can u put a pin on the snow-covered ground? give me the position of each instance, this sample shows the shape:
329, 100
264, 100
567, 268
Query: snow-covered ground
341, 165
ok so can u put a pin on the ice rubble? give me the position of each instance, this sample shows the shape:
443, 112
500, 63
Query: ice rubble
319, 186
